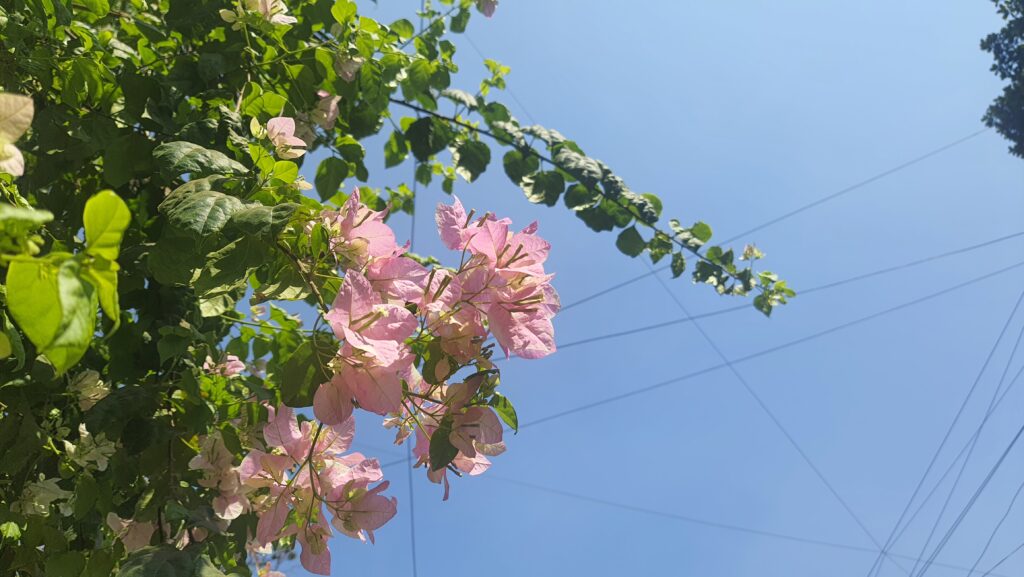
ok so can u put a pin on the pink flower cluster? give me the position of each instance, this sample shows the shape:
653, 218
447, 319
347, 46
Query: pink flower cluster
388, 302
303, 477
229, 367
414, 347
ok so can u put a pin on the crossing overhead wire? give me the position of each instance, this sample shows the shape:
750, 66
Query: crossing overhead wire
970, 503
774, 419
956, 459
825, 286
999, 526
1003, 560
703, 522
973, 443
798, 210
857, 185
773, 349
949, 430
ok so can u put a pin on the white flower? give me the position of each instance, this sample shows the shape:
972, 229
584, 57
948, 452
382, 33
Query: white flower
90, 450
37, 497
16, 112
90, 389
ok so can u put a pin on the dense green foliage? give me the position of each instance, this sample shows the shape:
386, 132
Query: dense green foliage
1006, 113
154, 208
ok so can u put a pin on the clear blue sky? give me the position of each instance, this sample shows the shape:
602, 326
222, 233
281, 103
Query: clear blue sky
735, 112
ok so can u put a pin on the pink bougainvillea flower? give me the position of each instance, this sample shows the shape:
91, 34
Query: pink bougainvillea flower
230, 367
360, 317
133, 534
326, 112
362, 511
322, 477
217, 464
358, 233
486, 7
477, 429
398, 277
347, 66
281, 132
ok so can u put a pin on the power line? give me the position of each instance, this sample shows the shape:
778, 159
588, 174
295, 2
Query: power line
856, 186
772, 416
778, 219
956, 459
698, 521
995, 531
974, 442
970, 504
956, 418
773, 349
1003, 560
826, 286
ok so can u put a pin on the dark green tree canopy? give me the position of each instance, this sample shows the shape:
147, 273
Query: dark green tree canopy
1006, 113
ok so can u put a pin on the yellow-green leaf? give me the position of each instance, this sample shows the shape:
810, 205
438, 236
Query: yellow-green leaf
54, 307
106, 218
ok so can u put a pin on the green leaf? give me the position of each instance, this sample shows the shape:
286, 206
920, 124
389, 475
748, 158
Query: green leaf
329, 175
305, 370
427, 136
442, 452
54, 306
101, 564
160, 561
582, 168
395, 150
630, 242
343, 11
125, 157
106, 217
678, 264
102, 274
182, 157
701, 231
86, 492
17, 348
654, 202
5, 346
226, 274
67, 564
462, 97
201, 213
519, 165
10, 530
597, 219
265, 222
544, 187
505, 410
460, 20
579, 197
403, 28
471, 159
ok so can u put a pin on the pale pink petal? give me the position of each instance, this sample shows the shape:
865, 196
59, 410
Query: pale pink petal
229, 507
332, 402
398, 277
378, 390
272, 520
528, 336
451, 222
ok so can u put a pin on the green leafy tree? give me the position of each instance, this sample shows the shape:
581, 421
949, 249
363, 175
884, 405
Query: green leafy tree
1006, 113
152, 219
